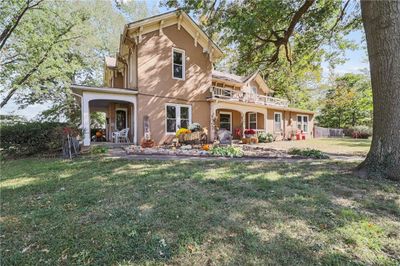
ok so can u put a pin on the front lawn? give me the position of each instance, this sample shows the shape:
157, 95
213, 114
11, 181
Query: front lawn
339, 146
102, 211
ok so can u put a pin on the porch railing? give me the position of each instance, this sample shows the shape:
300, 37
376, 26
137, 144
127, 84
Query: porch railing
240, 96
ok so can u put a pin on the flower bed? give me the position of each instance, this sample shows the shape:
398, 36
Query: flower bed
250, 151
183, 151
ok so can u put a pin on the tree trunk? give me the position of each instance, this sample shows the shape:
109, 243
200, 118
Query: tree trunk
381, 21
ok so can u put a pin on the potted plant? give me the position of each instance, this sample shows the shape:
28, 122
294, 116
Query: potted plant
249, 133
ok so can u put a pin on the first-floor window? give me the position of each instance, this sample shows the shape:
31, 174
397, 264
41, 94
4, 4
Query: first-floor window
225, 121
177, 116
302, 122
253, 120
278, 122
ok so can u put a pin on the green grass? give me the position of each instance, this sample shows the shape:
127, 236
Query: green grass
339, 146
102, 211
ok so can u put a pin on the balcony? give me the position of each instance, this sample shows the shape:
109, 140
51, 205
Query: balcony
240, 96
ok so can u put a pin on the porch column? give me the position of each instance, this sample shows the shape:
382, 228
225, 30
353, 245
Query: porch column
213, 117
85, 120
135, 135
243, 117
266, 121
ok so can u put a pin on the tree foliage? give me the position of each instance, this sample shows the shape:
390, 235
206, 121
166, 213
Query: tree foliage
347, 103
286, 40
46, 45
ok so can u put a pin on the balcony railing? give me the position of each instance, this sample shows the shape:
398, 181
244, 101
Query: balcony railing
240, 96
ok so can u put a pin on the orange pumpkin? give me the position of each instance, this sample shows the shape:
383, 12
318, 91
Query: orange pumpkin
99, 134
205, 147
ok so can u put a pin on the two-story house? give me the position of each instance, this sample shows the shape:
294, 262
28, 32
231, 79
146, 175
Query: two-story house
163, 74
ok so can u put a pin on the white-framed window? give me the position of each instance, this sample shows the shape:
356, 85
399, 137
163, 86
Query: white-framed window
253, 90
252, 118
178, 64
302, 123
225, 121
277, 122
177, 116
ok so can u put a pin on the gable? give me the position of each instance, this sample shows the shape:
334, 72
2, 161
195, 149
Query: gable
135, 31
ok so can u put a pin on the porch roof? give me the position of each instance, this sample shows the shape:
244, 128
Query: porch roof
79, 89
271, 107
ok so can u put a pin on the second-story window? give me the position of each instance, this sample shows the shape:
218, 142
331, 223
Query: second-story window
178, 64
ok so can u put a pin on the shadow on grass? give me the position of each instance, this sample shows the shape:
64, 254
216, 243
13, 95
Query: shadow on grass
115, 211
350, 142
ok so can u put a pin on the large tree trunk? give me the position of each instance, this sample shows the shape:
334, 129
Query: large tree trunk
381, 21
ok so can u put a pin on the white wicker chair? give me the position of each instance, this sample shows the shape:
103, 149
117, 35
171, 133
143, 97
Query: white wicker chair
121, 135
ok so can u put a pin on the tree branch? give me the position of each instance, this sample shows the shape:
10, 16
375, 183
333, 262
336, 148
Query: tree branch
8, 30
22, 80
283, 40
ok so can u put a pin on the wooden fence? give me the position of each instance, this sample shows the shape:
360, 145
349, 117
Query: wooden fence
322, 132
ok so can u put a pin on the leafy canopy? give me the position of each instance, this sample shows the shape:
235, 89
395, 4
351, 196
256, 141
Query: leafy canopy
286, 40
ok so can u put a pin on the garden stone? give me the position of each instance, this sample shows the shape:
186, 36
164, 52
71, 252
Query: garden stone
186, 147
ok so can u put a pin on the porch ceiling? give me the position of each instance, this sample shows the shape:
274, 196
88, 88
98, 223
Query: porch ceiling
104, 103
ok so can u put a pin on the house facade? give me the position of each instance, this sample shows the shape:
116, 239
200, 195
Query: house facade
163, 76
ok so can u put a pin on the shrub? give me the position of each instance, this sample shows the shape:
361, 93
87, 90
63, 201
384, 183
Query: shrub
361, 132
264, 137
182, 130
98, 149
30, 138
226, 151
195, 127
310, 153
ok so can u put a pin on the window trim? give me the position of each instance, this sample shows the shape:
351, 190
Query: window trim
126, 117
230, 119
174, 49
281, 129
302, 123
178, 116
249, 121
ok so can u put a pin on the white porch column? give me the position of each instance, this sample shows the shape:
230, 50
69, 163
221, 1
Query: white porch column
266, 121
213, 116
135, 134
243, 117
85, 120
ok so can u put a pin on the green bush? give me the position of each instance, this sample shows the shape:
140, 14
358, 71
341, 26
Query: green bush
264, 137
28, 138
226, 151
361, 132
310, 153
98, 150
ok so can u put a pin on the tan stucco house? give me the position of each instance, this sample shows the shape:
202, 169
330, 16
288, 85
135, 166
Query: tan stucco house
164, 71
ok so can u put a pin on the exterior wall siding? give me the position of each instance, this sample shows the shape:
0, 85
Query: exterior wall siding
156, 86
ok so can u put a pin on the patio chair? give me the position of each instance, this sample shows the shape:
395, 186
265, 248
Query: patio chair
123, 134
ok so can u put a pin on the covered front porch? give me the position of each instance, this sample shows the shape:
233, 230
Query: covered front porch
236, 119
118, 109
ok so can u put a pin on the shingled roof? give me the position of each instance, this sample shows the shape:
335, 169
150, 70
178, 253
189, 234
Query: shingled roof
228, 76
